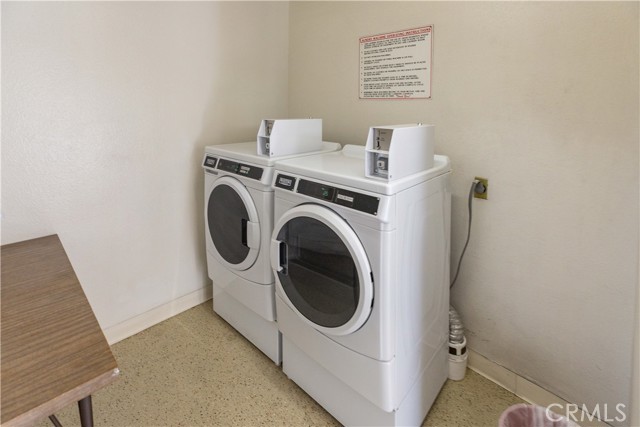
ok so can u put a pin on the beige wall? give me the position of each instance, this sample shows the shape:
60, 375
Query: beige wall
542, 99
106, 109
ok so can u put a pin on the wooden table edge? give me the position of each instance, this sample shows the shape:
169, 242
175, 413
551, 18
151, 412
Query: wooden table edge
62, 401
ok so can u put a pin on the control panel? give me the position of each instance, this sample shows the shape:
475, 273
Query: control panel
242, 169
339, 196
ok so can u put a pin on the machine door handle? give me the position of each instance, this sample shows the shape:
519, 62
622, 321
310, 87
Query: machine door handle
279, 257
243, 225
250, 233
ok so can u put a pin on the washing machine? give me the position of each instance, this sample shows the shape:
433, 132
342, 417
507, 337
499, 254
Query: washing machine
238, 223
362, 285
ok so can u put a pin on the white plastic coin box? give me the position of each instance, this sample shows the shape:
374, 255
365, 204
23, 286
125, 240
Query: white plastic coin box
393, 152
283, 137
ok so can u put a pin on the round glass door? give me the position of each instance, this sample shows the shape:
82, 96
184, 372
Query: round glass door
322, 269
232, 222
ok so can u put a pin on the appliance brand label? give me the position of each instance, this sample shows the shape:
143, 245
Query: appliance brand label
285, 182
210, 162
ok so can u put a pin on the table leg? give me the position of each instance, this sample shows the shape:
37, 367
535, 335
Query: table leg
54, 421
86, 412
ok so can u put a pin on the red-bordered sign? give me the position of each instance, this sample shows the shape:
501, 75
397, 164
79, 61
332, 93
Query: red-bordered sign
396, 65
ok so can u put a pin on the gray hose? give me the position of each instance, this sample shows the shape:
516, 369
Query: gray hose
456, 328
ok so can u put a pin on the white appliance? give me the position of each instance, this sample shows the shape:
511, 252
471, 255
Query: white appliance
362, 285
239, 222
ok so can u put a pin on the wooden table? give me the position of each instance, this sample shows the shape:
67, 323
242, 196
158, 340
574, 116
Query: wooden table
53, 350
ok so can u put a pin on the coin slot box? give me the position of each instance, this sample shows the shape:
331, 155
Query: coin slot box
283, 137
393, 152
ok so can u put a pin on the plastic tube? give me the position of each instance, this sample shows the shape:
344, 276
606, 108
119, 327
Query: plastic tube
456, 328
457, 347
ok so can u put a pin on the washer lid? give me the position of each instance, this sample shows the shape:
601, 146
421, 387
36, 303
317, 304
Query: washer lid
232, 224
322, 270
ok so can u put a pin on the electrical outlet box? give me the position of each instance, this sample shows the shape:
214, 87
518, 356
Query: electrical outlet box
482, 189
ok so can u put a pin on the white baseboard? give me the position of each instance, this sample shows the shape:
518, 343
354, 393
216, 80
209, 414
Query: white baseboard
156, 315
526, 390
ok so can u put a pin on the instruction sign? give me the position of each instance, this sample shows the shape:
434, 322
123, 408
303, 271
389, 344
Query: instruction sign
396, 65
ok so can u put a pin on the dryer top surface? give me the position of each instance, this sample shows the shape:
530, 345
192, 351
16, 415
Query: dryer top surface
347, 167
248, 152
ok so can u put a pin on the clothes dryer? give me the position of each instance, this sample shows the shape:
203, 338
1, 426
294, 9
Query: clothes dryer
238, 222
362, 295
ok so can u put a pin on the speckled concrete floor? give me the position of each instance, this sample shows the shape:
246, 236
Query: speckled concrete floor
195, 370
